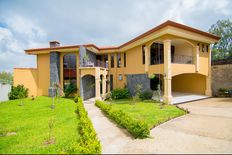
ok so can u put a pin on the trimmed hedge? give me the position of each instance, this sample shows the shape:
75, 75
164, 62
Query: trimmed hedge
138, 128
89, 143
120, 93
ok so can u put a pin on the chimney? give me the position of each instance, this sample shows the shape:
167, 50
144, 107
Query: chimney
54, 44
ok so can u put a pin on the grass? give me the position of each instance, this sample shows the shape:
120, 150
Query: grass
151, 112
29, 120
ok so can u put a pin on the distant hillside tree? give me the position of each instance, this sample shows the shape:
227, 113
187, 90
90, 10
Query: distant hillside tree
222, 49
6, 76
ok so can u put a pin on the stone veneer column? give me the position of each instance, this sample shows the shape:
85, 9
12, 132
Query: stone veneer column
208, 90
97, 84
54, 70
167, 72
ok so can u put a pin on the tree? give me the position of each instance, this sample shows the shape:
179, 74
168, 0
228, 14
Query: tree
6, 76
222, 49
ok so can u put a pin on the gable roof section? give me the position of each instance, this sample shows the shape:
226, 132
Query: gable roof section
167, 23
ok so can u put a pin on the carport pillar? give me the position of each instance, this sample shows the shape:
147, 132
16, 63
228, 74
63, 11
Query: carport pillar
97, 84
208, 90
197, 58
104, 84
167, 73
147, 58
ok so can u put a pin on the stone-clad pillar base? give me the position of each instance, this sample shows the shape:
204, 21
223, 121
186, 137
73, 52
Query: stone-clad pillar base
54, 71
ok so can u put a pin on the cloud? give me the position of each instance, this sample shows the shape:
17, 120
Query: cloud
19, 34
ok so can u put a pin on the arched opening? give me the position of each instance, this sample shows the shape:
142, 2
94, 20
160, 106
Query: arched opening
88, 86
182, 52
69, 70
189, 83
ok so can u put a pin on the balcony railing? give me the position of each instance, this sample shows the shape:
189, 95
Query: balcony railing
182, 59
98, 64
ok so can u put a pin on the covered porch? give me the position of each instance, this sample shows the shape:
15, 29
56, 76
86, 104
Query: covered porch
93, 82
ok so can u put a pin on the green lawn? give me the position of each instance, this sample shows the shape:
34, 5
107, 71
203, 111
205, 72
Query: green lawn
151, 112
30, 123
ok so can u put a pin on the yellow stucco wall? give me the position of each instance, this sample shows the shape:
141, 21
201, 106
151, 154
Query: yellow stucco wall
190, 83
43, 66
203, 63
27, 77
134, 61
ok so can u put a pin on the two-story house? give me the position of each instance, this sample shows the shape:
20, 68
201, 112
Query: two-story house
179, 56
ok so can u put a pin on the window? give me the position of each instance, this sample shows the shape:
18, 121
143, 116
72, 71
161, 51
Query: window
143, 54
203, 48
172, 53
119, 60
112, 60
156, 54
124, 59
120, 77
207, 48
111, 82
69, 69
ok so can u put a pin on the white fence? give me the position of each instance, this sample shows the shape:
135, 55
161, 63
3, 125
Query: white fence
4, 90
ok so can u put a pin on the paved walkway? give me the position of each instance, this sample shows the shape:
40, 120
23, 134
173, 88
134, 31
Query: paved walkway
207, 129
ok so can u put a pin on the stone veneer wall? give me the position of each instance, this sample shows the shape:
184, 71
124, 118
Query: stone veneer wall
134, 79
221, 77
91, 55
54, 70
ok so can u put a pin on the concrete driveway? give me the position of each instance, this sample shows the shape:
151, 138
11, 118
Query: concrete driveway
207, 129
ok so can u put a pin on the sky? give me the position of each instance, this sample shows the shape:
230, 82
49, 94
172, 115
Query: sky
28, 24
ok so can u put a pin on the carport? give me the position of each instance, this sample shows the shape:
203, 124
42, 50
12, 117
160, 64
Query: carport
186, 87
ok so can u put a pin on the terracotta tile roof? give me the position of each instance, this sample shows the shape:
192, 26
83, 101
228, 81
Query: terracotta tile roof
167, 23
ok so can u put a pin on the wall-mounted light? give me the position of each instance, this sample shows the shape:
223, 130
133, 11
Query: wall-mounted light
120, 77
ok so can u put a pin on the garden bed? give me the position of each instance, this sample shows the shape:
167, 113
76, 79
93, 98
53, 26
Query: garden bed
150, 113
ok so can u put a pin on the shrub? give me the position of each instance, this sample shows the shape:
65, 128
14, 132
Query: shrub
146, 95
138, 90
18, 92
138, 128
76, 98
89, 143
70, 89
120, 93
222, 90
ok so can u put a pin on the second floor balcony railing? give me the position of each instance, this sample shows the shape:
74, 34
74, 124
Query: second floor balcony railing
98, 64
182, 59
